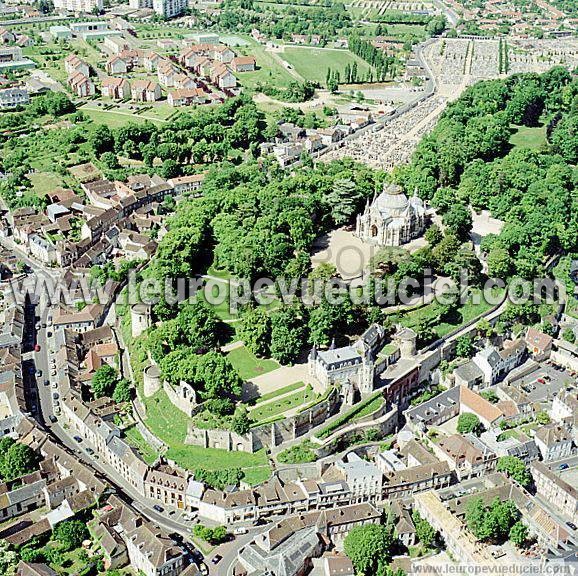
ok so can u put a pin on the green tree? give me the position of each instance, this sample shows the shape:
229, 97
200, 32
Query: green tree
367, 546
288, 335
254, 329
104, 381
491, 523
8, 559
122, 392
343, 200
516, 469
458, 221
519, 534
217, 377
71, 533
433, 235
469, 423
569, 336
101, 140
465, 346
499, 263
18, 460
241, 423
425, 532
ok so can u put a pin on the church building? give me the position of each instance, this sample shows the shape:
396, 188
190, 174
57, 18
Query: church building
392, 219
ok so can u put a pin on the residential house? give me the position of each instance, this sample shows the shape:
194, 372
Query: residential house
186, 97
116, 65
6, 37
222, 77
539, 344
73, 64
555, 490
466, 455
42, 249
116, 44
554, 442
81, 85
80, 321
151, 61
166, 72
187, 183
13, 97
496, 364
115, 88
363, 478
145, 91
223, 54
243, 64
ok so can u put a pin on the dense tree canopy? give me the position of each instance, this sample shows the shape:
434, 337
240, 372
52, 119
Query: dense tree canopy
369, 547
467, 159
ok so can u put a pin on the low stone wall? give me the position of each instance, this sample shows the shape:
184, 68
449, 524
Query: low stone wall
271, 435
187, 405
223, 440
386, 421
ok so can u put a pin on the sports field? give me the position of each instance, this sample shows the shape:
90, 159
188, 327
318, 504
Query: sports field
313, 63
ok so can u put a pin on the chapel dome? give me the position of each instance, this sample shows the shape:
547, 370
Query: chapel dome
392, 201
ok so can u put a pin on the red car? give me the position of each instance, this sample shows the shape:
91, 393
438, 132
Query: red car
37, 348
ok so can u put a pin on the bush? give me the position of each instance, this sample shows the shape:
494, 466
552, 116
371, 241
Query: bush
299, 454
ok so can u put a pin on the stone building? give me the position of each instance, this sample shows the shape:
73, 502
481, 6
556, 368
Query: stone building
392, 219
353, 367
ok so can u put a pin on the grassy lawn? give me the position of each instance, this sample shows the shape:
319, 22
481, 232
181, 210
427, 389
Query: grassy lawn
281, 391
464, 314
115, 119
170, 425
135, 438
530, 138
265, 411
248, 365
45, 182
269, 70
369, 408
363, 408
313, 63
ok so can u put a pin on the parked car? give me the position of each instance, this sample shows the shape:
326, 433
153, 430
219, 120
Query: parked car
571, 525
46, 382
90, 451
240, 531
158, 508
55, 395
563, 466
216, 559
37, 348
38, 373
77, 438
53, 418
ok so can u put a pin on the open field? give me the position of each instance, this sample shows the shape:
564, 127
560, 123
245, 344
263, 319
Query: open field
269, 69
45, 182
116, 118
530, 138
248, 365
313, 63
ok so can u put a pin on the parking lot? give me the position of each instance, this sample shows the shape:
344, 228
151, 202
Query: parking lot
554, 379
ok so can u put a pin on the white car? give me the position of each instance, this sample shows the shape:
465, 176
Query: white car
240, 531
55, 384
